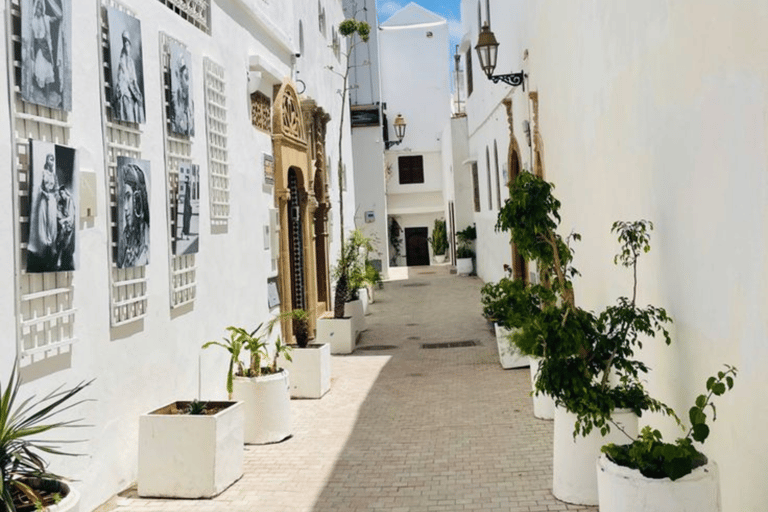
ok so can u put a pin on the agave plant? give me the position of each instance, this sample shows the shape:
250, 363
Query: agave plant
22, 453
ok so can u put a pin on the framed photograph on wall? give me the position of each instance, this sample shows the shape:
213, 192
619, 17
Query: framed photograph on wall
132, 212
182, 115
187, 236
46, 55
126, 63
52, 245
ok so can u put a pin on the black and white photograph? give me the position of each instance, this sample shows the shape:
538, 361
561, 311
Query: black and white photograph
52, 245
46, 58
132, 212
188, 211
182, 119
126, 63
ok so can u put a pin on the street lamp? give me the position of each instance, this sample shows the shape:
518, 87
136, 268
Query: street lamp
487, 49
399, 132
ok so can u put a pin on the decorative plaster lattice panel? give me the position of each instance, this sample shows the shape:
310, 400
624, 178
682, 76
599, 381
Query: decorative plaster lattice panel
127, 286
216, 131
261, 112
197, 12
45, 312
178, 152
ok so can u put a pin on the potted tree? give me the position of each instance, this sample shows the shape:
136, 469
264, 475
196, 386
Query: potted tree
372, 280
27, 484
464, 252
587, 360
263, 389
339, 330
665, 477
439, 241
310, 363
190, 449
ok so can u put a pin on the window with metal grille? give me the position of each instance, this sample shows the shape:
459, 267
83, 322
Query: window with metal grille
475, 186
470, 87
411, 169
216, 130
196, 12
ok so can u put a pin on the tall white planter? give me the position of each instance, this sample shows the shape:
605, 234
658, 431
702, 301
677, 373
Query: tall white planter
464, 266
574, 479
509, 356
267, 404
626, 490
310, 370
186, 456
339, 333
543, 405
363, 294
354, 309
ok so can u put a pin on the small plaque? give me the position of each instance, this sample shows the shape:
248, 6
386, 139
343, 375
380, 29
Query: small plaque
273, 296
269, 169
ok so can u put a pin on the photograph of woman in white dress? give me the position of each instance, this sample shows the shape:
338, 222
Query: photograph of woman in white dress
53, 213
46, 67
126, 65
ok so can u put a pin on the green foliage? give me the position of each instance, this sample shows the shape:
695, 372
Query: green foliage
352, 264
464, 251
352, 26
21, 451
300, 324
394, 239
654, 458
466, 236
196, 408
372, 276
240, 339
281, 349
439, 238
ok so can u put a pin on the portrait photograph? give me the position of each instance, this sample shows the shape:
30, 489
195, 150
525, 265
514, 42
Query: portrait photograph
46, 59
182, 119
53, 200
126, 64
132, 212
188, 211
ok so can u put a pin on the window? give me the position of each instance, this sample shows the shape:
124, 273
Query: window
469, 72
498, 179
411, 169
488, 171
475, 187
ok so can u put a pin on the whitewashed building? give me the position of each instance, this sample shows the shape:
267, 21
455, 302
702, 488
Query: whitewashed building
644, 111
266, 126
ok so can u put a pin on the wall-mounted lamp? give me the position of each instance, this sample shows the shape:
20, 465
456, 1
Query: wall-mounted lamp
400, 125
487, 49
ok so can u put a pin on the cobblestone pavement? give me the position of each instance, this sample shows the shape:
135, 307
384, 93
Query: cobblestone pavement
405, 428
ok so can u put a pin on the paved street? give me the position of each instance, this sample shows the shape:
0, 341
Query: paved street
404, 428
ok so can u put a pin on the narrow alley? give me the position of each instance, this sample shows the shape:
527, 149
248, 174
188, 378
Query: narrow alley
408, 425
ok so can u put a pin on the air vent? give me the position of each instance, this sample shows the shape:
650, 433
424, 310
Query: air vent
377, 347
451, 344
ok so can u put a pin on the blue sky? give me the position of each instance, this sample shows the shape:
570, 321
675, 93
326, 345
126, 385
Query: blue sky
448, 9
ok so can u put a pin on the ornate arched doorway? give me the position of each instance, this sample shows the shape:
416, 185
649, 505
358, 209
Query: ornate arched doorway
295, 199
519, 265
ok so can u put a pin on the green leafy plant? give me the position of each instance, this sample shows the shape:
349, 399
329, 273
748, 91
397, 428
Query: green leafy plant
654, 458
394, 239
281, 349
372, 275
240, 339
196, 408
350, 270
439, 238
22, 453
466, 236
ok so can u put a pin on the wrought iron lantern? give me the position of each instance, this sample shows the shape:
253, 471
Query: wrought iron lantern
400, 125
487, 50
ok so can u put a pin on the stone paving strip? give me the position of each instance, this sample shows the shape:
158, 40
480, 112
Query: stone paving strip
403, 429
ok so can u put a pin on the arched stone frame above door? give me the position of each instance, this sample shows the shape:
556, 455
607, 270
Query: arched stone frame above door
291, 151
519, 265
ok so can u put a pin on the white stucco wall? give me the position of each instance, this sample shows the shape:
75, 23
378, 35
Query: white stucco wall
154, 361
657, 111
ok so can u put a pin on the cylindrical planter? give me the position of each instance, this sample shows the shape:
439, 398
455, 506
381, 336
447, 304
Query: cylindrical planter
267, 403
439, 259
363, 294
464, 266
623, 489
310, 370
574, 479
543, 405
509, 355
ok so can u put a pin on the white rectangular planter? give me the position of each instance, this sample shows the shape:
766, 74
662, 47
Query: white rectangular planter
339, 333
267, 403
354, 309
509, 356
464, 266
310, 370
190, 456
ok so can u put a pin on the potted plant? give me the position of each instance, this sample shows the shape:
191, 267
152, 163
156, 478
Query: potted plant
665, 477
464, 252
498, 308
358, 246
190, 449
439, 240
26, 483
310, 363
587, 360
372, 280
263, 389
